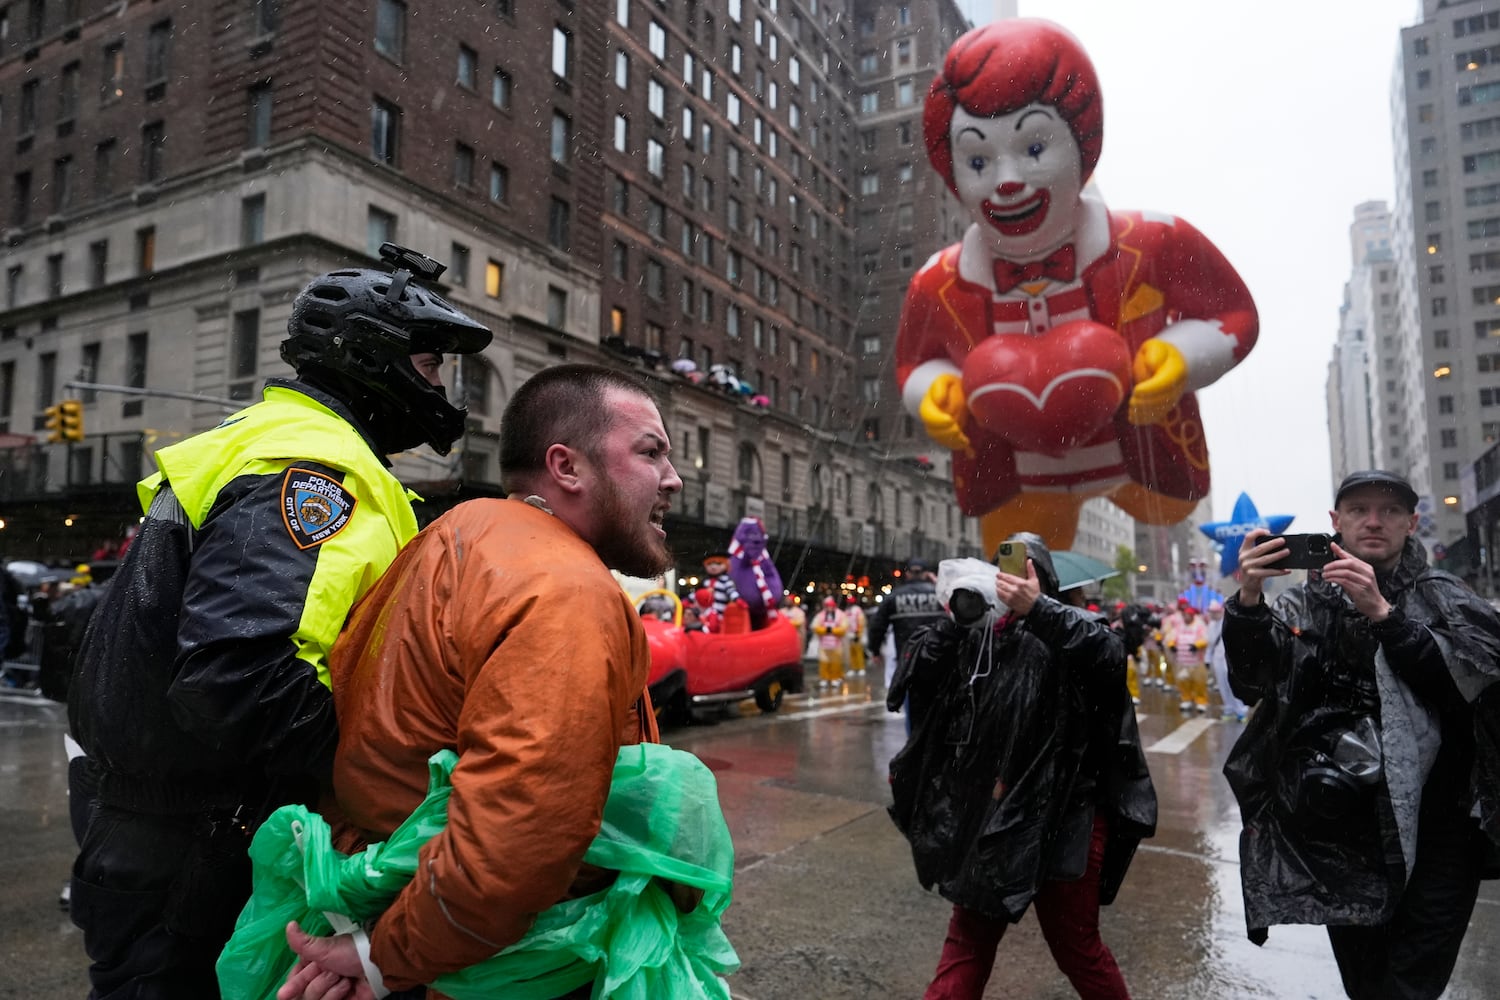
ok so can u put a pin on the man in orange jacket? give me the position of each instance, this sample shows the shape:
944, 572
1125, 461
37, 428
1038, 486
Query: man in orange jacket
471, 642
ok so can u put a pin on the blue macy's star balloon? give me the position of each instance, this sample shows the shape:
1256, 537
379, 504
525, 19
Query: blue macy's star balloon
1230, 533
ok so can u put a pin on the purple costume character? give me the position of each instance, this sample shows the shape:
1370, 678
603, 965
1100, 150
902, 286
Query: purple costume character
753, 572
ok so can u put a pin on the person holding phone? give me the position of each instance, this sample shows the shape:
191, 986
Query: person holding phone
1024, 785
1358, 779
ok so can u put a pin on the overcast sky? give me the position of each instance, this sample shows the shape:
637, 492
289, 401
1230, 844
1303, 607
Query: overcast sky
1263, 124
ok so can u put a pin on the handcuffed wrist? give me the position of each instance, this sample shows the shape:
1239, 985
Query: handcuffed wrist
372, 971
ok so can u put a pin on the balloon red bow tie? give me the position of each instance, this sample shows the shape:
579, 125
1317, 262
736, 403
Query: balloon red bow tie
1059, 265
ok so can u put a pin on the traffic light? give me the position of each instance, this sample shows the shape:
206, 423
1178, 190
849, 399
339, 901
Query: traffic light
72, 419
54, 422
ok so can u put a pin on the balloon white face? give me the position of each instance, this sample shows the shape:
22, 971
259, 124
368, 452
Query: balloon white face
1020, 176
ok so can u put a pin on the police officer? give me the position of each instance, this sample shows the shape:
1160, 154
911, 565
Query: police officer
905, 609
201, 695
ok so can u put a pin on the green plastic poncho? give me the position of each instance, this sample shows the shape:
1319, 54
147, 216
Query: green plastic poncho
662, 818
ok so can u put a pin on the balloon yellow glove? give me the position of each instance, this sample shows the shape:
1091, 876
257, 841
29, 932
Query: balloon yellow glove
1160, 380
943, 412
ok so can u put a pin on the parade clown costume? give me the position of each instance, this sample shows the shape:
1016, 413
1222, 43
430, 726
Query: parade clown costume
754, 574
830, 628
1057, 346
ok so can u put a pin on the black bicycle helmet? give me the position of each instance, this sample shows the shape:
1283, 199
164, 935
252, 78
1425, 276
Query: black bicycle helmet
353, 332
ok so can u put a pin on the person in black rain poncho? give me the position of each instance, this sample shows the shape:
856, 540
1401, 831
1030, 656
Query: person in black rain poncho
1025, 781
1367, 776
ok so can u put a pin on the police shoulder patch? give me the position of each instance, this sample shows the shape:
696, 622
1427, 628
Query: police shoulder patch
314, 506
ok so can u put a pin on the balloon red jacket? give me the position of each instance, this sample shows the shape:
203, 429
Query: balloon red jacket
1143, 275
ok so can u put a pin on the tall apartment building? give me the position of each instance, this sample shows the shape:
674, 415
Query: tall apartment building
1445, 409
1361, 374
634, 182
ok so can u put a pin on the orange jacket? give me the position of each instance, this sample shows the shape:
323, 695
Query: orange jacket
499, 634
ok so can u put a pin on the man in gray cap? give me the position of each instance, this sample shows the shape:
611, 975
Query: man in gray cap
909, 606
1367, 781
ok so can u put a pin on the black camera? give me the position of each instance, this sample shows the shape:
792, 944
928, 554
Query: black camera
967, 606
1328, 778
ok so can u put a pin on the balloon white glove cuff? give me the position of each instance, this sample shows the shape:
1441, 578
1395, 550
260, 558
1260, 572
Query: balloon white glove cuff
372, 971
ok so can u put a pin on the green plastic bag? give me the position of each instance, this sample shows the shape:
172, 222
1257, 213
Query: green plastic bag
662, 818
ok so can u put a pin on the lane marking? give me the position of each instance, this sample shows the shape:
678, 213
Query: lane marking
1179, 739
818, 713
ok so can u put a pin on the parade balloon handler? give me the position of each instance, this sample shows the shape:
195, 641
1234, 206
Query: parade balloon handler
1056, 348
1024, 781
201, 689
471, 643
1368, 776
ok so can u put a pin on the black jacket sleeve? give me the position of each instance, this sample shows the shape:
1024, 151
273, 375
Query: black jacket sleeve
1250, 649
238, 684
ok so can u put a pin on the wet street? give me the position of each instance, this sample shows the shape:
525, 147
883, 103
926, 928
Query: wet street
826, 904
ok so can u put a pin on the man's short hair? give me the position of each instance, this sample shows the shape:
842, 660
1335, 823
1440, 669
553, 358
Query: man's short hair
564, 404
1389, 481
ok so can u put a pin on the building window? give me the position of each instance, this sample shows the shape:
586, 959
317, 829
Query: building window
562, 53
869, 102
54, 275
617, 322
463, 165
20, 203
13, 285
656, 99
98, 263
158, 52
500, 89
499, 183
468, 68
104, 168
905, 94
145, 250
562, 138
558, 219
112, 77
619, 261
622, 134
474, 374
62, 184
494, 279
67, 94
656, 159
1448, 437
557, 307
656, 41
390, 29
258, 116
620, 194
385, 131
656, 280
380, 227
153, 146
244, 346
622, 69
1445, 404
252, 220
264, 16
458, 265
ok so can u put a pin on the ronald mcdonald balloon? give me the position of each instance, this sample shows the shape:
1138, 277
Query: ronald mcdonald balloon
1057, 346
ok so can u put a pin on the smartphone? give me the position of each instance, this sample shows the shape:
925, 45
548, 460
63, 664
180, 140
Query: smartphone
1011, 558
1305, 551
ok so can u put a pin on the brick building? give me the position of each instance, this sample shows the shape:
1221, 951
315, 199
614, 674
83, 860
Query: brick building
633, 183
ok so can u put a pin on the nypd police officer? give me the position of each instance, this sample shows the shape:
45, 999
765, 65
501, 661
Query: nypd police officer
201, 695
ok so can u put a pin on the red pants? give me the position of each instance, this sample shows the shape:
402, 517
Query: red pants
1068, 913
